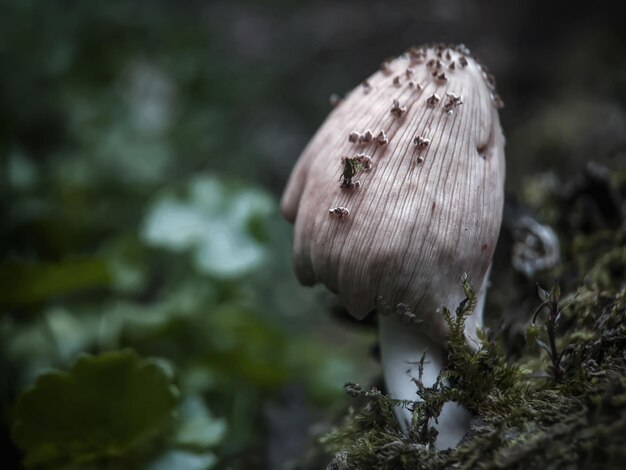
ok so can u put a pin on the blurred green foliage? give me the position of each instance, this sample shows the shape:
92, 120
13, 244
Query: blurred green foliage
135, 228
104, 406
143, 146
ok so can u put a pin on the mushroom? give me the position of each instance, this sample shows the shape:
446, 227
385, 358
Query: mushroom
414, 226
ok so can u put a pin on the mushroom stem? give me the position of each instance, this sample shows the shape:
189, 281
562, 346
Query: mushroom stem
401, 349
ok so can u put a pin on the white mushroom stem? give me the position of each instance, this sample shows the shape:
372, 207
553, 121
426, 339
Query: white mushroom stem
401, 349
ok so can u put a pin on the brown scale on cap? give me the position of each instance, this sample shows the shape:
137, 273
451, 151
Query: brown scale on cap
339, 212
462, 49
415, 85
416, 55
381, 138
452, 101
397, 110
334, 100
432, 100
385, 68
421, 142
440, 77
497, 101
366, 137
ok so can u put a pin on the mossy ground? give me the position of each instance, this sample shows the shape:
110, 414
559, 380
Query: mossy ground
526, 415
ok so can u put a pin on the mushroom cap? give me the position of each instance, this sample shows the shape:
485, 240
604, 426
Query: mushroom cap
430, 207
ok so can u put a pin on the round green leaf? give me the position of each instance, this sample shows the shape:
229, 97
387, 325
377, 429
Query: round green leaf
104, 406
219, 224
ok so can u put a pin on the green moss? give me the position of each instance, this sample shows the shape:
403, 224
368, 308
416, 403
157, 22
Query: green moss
520, 422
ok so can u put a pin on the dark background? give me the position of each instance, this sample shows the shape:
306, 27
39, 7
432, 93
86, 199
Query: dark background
137, 138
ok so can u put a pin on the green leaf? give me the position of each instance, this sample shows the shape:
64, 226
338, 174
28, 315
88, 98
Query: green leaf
544, 295
197, 428
105, 406
183, 460
221, 226
566, 301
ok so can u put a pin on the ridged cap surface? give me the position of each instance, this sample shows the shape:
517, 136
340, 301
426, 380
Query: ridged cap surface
401, 190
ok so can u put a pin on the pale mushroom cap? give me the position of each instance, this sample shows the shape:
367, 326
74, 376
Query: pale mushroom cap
425, 213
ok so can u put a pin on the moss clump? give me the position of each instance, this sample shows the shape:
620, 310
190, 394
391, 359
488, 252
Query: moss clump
521, 420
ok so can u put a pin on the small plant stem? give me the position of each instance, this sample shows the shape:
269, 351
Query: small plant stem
554, 354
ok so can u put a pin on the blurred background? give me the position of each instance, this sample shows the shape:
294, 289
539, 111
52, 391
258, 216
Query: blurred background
144, 147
